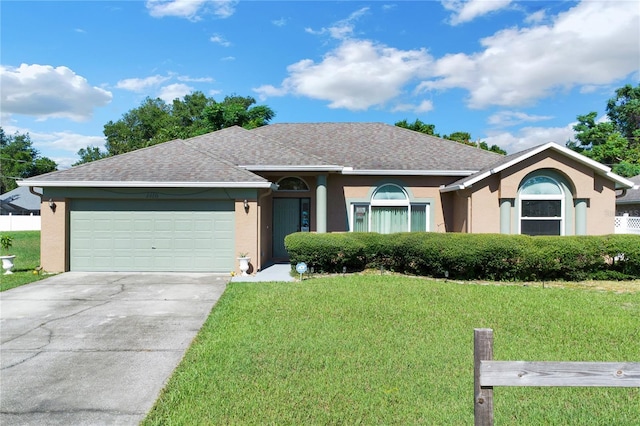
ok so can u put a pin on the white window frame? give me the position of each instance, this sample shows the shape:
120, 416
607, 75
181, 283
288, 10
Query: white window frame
389, 203
543, 197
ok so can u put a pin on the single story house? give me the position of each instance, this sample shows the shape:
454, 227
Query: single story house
19, 201
196, 204
629, 202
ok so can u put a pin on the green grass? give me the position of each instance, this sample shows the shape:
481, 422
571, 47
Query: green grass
396, 351
26, 247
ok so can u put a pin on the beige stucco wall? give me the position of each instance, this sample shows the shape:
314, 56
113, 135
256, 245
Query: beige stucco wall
602, 208
484, 207
345, 189
585, 184
54, 245
461, 205
246, 235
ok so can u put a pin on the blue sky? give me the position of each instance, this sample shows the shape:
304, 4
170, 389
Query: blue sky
509, 72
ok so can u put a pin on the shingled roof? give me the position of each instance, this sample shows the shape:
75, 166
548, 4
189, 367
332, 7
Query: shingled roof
176, 163
633, 195
227, 157
509, 160
380, 147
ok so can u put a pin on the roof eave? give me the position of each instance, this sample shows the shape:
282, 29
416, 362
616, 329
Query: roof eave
297, 168
377, 172
620, 182
143, 184
452, 188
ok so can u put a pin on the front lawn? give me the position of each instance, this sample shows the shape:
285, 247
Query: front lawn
26, 247
396, 350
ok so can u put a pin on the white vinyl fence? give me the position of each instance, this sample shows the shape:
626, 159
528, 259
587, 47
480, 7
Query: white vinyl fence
19, 222
626, 224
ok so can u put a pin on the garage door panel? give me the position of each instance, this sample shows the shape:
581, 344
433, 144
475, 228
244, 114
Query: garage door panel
142, 224
158, 236
183, 225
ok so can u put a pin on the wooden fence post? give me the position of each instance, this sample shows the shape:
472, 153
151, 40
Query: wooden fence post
483, 395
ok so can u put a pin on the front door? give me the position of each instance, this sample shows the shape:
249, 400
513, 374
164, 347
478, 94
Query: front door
289, 215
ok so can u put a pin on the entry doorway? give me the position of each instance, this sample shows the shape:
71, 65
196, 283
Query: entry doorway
289, 215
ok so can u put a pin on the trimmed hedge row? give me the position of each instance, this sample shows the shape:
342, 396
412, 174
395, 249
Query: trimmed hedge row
472, 256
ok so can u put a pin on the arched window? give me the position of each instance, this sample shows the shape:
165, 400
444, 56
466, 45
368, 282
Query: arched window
541, 206
292, 184
388, 211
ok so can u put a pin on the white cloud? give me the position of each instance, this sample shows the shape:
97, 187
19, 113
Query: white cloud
279, 22
528, 137
65, 141
424, 106
536, 17
47, 92
224, 8
270, 91
343, 28
141, 84
357, 75
191, 9
466, 11
196, 79
58, 143
513, 118
218, 39
174, 91
520, 66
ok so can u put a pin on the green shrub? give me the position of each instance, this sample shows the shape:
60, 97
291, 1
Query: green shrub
472, 256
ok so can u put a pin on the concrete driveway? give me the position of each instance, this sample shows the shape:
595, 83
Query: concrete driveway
96, 348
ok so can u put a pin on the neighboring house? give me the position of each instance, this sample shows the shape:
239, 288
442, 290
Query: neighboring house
19, 201
629, 203
195, 204
20, 210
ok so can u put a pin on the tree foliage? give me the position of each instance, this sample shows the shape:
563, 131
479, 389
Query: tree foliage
462, 137
155, 121
419, 126
20, 160
616, 141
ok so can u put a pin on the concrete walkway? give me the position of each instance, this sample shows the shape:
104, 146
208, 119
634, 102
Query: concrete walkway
275, 272
96, 349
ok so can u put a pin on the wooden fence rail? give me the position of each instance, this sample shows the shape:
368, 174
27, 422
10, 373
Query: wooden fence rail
489, 373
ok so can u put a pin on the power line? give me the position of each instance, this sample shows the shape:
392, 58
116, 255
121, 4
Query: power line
17, 161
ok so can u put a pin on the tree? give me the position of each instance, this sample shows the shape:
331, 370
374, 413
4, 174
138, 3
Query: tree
89, 154
493, 148
624, 111
20, 160
237, 111
155, 121
139, 127
462, 137
616, 141
419, 126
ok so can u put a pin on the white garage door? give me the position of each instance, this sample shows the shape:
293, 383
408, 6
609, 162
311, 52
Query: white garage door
138, 235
